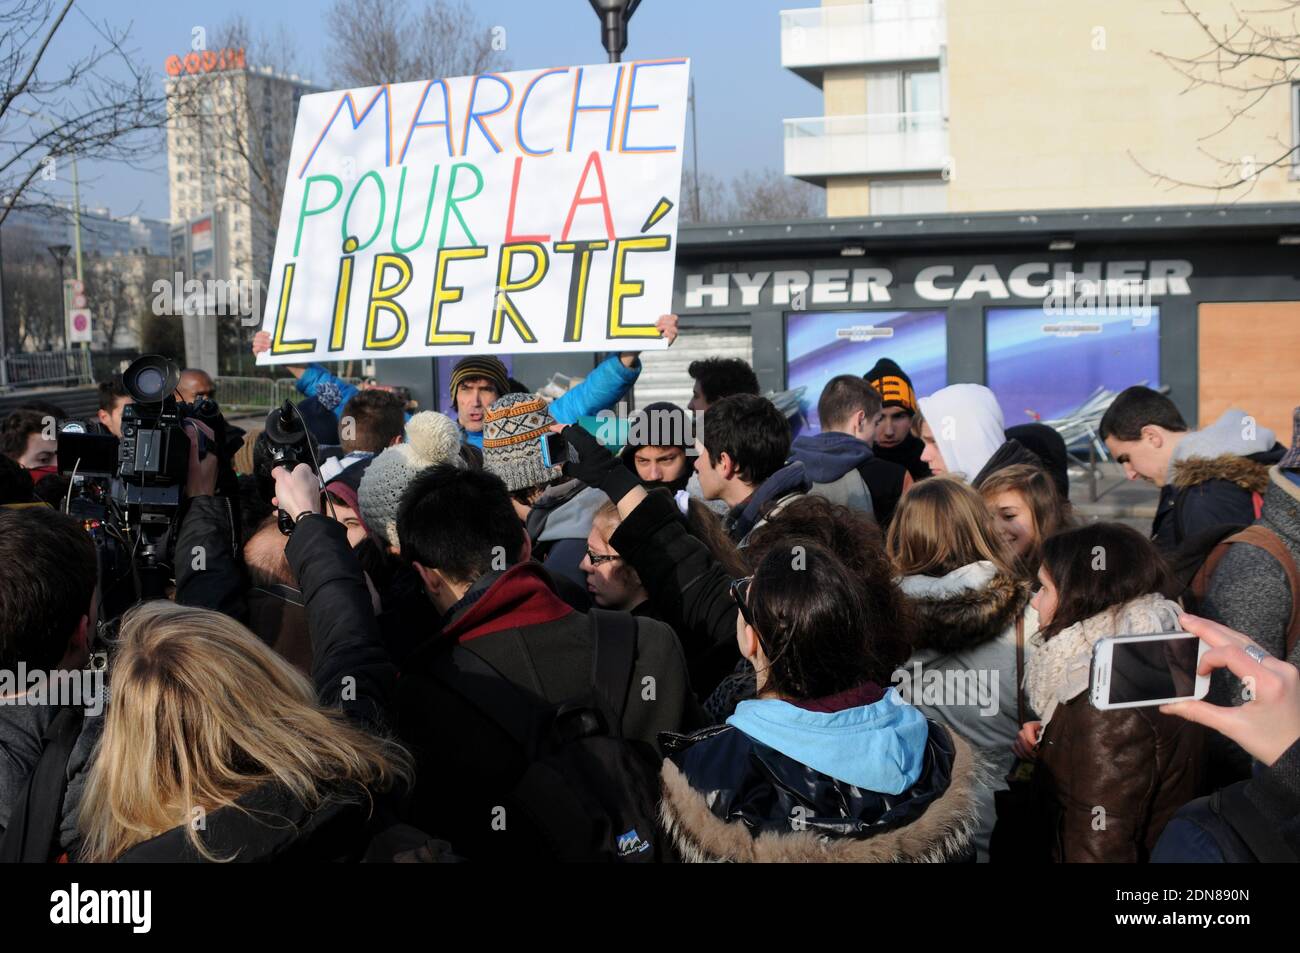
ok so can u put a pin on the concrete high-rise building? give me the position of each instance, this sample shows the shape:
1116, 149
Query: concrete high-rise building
998, 105
229, 134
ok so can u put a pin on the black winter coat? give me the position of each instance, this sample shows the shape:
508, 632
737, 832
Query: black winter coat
209, 573
467, 763
1207, 492
688, 587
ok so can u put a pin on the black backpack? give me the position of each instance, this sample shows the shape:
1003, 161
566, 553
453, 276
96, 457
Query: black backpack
1223, 828
590, 794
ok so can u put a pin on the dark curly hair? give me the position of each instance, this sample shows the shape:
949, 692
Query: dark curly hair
721, 377
876, 640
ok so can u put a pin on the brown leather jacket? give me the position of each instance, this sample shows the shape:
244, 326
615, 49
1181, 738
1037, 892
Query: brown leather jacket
1112, 779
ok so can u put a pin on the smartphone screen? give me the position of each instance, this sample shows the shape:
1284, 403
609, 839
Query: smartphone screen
1152, 669
555, 450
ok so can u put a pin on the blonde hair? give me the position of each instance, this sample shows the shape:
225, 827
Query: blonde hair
203, 712
941, 524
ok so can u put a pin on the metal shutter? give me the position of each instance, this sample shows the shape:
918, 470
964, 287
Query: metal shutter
663, 373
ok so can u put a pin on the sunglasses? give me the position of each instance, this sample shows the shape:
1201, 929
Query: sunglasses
597, 559
739, 590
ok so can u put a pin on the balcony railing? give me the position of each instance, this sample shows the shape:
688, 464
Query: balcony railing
890, 32
823, 146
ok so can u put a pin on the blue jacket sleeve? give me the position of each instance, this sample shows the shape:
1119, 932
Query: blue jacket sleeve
332, 392
604, 387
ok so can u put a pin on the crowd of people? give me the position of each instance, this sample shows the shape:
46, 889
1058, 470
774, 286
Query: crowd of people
492, 636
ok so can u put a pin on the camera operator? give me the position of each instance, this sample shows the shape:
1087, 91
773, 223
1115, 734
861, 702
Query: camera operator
112, 399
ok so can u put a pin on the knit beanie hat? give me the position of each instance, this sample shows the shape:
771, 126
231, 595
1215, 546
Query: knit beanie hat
895, 387
661, 424
1291, 459
431, 438
489, 367
513, 429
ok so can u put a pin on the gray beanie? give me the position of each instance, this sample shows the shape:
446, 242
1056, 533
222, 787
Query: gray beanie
431, 438
513, 429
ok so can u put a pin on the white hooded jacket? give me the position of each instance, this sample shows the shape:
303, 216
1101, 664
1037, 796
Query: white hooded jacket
967, 425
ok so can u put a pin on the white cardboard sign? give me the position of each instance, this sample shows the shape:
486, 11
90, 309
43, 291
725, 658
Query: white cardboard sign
521, 212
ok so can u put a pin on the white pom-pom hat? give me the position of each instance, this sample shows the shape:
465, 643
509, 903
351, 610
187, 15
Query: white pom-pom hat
431, 438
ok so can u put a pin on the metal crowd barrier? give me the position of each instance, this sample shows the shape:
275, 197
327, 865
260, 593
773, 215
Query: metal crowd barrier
250, 394
44, 368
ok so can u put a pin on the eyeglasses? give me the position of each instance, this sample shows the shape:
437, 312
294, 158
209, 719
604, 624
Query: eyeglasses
596, 559
740, 594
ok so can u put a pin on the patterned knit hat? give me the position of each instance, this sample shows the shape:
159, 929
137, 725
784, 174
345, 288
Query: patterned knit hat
1291, 459
489, 367
513, 429
895, 387
431, 438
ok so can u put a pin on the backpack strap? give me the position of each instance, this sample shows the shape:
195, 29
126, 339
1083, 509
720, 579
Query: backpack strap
1020, 669
613, 655
1261, 537
1232, 805
34, 821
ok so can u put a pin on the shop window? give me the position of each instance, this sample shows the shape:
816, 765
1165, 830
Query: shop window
820, 345
1042, 365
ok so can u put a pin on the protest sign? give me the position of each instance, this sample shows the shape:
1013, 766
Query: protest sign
528, 211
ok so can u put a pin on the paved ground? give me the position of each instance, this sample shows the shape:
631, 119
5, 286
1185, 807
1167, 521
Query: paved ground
1125, 501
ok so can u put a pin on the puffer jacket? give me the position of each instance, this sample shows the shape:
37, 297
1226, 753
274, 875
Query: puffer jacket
728, 796
1107, 782
962, 672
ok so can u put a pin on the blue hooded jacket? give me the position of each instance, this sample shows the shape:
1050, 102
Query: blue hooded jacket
603, 387
878, 747
827, 456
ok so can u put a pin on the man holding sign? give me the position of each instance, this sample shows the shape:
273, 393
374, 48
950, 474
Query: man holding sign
522, 212
478, 381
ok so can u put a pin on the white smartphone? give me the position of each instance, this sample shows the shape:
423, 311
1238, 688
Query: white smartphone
1137, 671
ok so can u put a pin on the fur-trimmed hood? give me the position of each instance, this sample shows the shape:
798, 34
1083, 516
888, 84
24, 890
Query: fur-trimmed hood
964, 608
931, 823
1250, 475
1233, 448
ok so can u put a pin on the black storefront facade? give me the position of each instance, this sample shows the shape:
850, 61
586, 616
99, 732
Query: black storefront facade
1042, 307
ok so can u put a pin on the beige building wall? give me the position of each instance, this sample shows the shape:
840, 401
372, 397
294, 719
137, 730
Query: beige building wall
1069, 105
844, 93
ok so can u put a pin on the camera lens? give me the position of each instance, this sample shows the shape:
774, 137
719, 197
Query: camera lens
150, 381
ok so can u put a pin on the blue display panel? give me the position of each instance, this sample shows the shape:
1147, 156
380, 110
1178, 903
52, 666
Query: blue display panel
820, 345
1043, 366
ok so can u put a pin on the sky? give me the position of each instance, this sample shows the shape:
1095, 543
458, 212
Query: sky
741, 91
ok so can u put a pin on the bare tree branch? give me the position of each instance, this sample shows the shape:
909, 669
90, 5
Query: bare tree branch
1250, 60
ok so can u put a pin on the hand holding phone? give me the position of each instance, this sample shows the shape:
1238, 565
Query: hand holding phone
1268, 724
1140, 671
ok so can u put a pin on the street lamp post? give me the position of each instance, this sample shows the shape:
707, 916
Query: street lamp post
614, 15
60, 253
